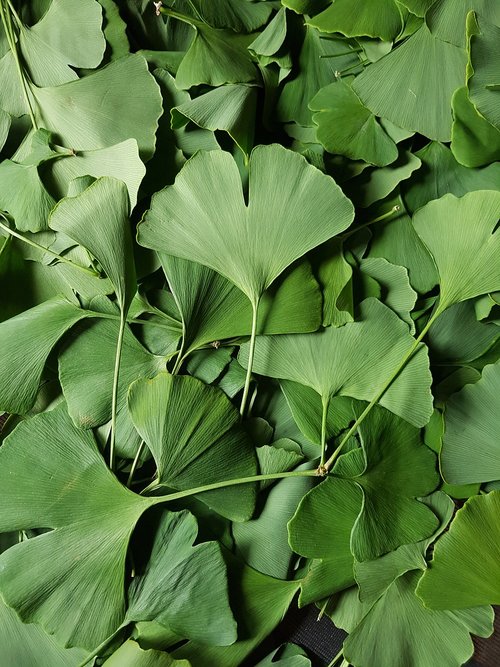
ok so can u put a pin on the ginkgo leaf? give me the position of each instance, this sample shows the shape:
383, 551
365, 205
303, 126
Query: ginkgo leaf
471, 451
26, 341
213, 309
250, 245
239, 16
425, 637
130, 654
68, 34
194, 434
177, 572
347, 127
386, 475
412, 85
447, 18
318, 61
98, 220
484, 55
441, 174
462, 237
381, 19
465, 568
474, 141
230, 108
78, 590
354, 360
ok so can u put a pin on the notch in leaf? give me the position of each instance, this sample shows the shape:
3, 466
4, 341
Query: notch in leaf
292, 208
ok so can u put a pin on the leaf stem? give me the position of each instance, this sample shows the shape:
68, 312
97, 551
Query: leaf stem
5, 16
130, 320
61, 258
393, 210
325, 404
15, 14
228, 482
114, 394
135, 463
251, 352
180, 17
339, 655
407, 357
103, 645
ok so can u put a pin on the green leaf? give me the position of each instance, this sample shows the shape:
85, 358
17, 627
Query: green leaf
318, 61
115, 30
213, 309
447, 18
240, 16
26, 341
415, 98
175, 576
423, 636
461, 236
68, 34
484, 56
465, 570
130, 654
70, 579
354, 360
418, 7
442, 174
259, 603
195, 436
229, 108
471, 451
246, 244
385, 476
334, 274
98, 220
380, 18
347, 127
474, 141
28, 645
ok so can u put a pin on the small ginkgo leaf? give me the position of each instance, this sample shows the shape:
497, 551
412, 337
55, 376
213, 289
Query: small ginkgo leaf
471, 449
415, 98
177, 572
462, 237
70, 580
474, 141
195, 436
379, 18
98, 220
425, 637
465, 568
130, 654
25, 342
347, 127
69, 33
484, 58
229, 108
203, 217
213, 309
354, 360
441, 174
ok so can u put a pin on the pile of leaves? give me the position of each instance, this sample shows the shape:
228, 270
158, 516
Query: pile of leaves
249, 339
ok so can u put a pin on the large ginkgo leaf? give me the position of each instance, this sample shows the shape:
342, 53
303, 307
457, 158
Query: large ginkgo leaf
471, 447
462, 237
412, 85
194, 434
213, 309
203, 217
354, 360
25, 343
177, 572
447, 18
379, 18
70, 579
465, 569
347, 127
234, 14
423, 636
385, 476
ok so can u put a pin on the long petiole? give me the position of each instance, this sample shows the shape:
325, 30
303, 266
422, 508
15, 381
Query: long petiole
14, 13
325, 403
393, 210
248, 378
380, 393
7, 25
114, 395
95, 653
339, 655
11, 232
228, 482
135, 463
130, 320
